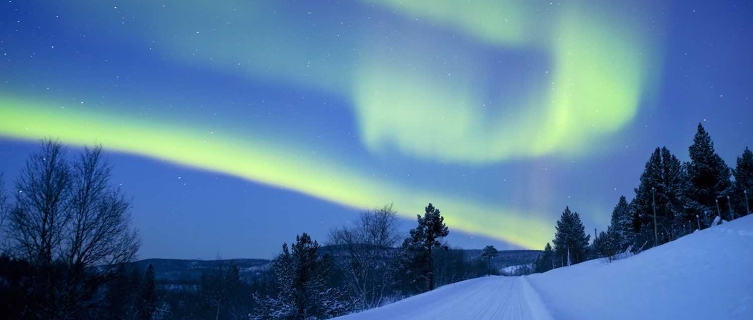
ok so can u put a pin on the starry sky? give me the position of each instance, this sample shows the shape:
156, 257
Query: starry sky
236, 125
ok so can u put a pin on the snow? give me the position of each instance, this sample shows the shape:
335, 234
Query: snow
705, 275
505, 298
509, 270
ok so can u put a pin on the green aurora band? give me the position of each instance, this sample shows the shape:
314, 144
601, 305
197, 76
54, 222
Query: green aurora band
601, 68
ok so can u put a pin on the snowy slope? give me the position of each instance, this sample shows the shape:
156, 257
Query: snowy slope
705, 275
504, 298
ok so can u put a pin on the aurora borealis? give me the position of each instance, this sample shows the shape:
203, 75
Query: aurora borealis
498, 112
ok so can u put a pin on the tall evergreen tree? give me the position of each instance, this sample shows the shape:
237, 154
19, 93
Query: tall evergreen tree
708, 177
303, 280
621, 226
744, 180
147, 305
545, 262
488, 254
662, 187
417, 249
571, 239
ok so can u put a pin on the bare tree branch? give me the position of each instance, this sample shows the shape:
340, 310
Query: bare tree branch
72, 227
364, 253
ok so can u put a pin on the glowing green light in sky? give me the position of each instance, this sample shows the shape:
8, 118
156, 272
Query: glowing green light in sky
601, 62
274, 164
423, 96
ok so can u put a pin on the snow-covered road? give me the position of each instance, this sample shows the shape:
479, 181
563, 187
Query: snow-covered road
504, 298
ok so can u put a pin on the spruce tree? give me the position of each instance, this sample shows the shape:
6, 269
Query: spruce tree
744, 181
303, 281
571, 238
545, 262
662, 187
148, 296
708, 178
620, 228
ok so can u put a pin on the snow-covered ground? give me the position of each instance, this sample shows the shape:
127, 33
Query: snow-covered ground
706, 275
504, 298
510, 270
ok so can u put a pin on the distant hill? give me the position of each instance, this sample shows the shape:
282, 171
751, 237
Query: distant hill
175, 271
178, 271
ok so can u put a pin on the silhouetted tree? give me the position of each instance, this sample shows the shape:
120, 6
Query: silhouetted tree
708, 177
147, 304
121, 295
4, 205
621, 226
71, 226
744, 180
221, 290
571, 240
417, 249
488, 254
662, 185
545, 261
364, 254
303, 291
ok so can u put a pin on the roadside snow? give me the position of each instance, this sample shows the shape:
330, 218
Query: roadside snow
706, 275
505, 298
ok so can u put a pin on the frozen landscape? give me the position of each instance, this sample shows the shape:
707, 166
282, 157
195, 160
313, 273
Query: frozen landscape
705, 275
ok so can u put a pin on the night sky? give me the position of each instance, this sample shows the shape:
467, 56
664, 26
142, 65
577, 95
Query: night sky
236, 125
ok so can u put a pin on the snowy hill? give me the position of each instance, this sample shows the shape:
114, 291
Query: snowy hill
705, 275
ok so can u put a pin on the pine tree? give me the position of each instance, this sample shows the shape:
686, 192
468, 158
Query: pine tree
488, 253
545, 262
148, 297
620, 228
417, 249
744, 181
604, 245
303, 280
662, 187
571, 239
708, 178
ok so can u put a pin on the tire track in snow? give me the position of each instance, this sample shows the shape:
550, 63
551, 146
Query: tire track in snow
505, 298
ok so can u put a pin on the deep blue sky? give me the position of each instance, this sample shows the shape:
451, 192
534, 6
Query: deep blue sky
236, 127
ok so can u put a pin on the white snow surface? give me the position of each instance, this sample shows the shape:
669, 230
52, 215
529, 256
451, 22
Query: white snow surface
705, 275
504, 298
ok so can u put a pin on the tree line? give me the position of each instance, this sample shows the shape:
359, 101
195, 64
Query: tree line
673, 199
68, 247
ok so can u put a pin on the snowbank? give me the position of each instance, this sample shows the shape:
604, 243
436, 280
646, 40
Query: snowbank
705, 275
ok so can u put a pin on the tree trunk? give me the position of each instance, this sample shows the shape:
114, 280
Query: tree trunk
431, 270
217, 317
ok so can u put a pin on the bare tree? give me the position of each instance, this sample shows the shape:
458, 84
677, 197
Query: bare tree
4, 206
364, 253
72, 226
37, 223
99, 233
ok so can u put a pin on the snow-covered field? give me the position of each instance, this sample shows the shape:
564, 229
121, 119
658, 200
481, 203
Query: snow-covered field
706, 275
